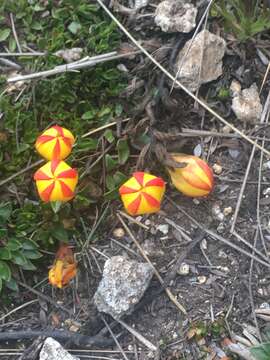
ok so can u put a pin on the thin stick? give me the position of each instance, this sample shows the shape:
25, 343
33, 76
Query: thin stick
241, 193
72, 66
133, 220
102, 128
114, 338
14, 32
170, 76
168, 291
250, 289
138, 336
18, 308
264, 115
22, 54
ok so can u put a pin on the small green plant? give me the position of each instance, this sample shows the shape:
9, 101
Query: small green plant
15, 246
245, 18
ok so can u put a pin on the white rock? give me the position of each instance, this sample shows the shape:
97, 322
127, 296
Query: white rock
176, 16
196, 69
227, 210
183, 269
217, 169
70, 55
122, 286
246, 104
163, 228
52, 350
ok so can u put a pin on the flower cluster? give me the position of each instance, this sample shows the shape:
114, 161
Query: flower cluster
56, 180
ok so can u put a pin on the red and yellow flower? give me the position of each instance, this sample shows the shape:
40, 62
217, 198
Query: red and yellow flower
142, 193
64, 268
56, 181
195, 179
55, 143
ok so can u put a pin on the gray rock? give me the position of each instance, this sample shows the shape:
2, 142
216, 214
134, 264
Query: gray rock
52, 350
246, 104
176, 16
195, 69
122, 286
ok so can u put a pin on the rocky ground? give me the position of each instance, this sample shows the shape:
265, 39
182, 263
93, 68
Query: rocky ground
185, 282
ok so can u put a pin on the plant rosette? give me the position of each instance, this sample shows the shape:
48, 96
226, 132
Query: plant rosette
195, 179
55, 143
64, 268
56, 181
142, 194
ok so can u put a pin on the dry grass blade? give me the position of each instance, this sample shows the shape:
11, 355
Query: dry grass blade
171, 77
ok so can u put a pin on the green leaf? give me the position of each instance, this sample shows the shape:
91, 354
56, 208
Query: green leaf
12, 44
56, 205
112, 194
1, 285
108, 134
4, 34
13, 245
28, 266
5, 272
123, 151
5, 211
18, 258
104, 111
29, 245
12, 285
89, 115
5, 253
60, 233
74, 27
110, 162
261, 352
32, 254
110, 183
119, 178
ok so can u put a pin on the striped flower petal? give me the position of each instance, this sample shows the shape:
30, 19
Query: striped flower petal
142, 193
55, 143
56, 181
194, 180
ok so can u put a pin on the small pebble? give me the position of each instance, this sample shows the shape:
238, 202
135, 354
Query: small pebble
227, 211
163, 228
196, 201
216, 212
221, 228
266, 191
226, 129
201, 279
204, 244
183, 269
118, 232
217, 169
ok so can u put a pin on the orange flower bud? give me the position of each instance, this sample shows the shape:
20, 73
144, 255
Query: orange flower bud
64, 268
142, 193
55, 143
56, 181
195, 179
